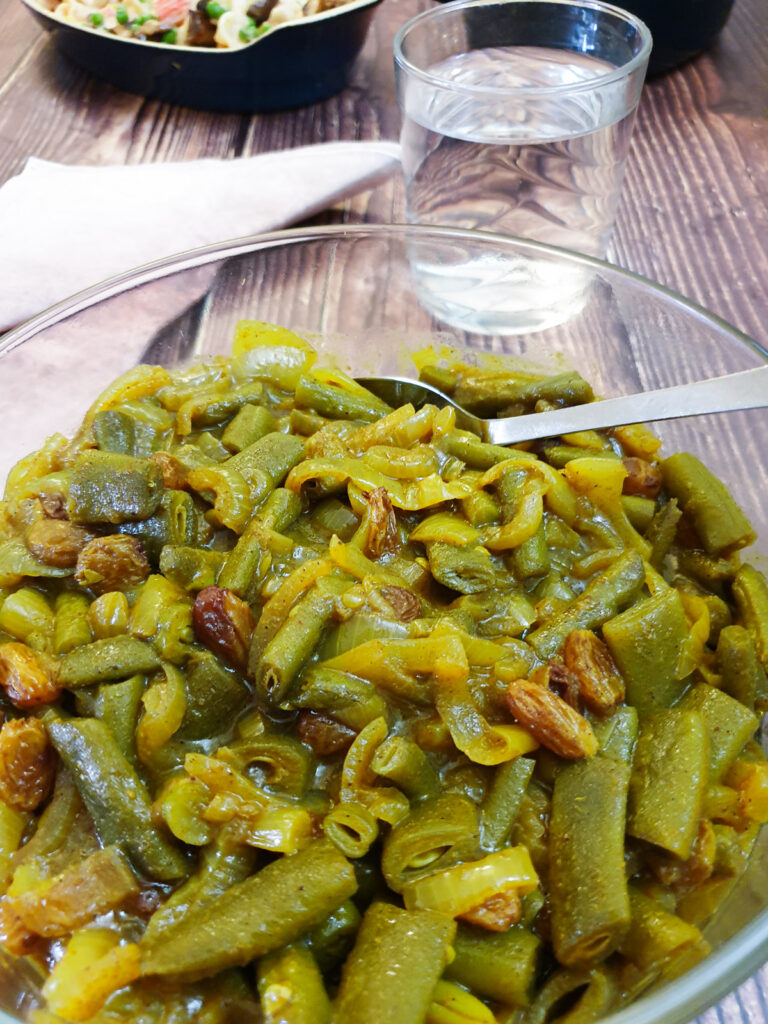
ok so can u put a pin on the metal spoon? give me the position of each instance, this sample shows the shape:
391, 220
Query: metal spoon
747, 389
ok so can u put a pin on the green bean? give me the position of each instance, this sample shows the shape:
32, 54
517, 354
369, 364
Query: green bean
750, 591
246, 564
531, 558
338, 403
396, 962
588, 890
461, 444
71, 627
739, 665
224, 862
175, 522
503, 801
352, 827
497, 613
55, 824
114, 795
291, 988
123, 432
480, 508
589, 994
717, 519
645, 643
354, 702
114, 657
669, 780
273, 455
249, 424
661, 532
439, 377
403, 762
332, 939
256, 916
435, 835
286, 761
602, 598
490, 392
108, 488
639, 510
215, 696
655, 935
497, 965
294, 642
617, 734
118, 707
467, 569
728, 723
190, 568
559, 455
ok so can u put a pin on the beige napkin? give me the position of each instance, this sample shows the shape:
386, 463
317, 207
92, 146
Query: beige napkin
64, 228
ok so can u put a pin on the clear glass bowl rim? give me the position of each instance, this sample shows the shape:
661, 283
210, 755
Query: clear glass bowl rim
739, 957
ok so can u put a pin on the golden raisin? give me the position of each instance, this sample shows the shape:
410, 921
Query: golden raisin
589, 661
497, 914
56, 542
643, 478
404, 603
115, 562
381, 536
550, 720
27, 763
223, 623
174, 471
15, 937
324, 734
29, 678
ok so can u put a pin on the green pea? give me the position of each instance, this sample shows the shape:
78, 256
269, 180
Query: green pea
121, 15
96, 19
214, 9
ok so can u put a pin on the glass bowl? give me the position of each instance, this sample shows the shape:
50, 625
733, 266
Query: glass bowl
292, 65
353, 293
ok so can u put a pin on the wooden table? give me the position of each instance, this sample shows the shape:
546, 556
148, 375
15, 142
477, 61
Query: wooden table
693, 216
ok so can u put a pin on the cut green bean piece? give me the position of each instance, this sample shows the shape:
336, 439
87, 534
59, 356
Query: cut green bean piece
403, 762
118, 707
71, 627
332, 939
487, 393
291, 988
739, 665
264, 912
503, 801
717, 519
617, 734
645, 642
602, 598
728, 723
108, 488
467, 569
114, 795
273, 454
396, 962
661, 532
111, 658
354, 702
191, 568
669, 781
589, 994
750, 591
655, 935
434, 836
250, 424
588, 889
497, 965
338, 403
215, 696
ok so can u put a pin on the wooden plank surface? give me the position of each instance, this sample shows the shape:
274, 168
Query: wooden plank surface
693, 216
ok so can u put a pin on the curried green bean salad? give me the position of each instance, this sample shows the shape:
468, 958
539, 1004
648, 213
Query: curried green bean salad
316, 710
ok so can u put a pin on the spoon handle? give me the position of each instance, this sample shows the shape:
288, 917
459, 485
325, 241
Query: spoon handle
747, 389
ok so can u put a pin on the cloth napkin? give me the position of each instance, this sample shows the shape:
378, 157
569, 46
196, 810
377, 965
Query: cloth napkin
64, 228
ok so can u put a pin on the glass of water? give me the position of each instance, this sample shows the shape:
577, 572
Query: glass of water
516, 118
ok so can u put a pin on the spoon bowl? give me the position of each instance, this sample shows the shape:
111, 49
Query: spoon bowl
747, 389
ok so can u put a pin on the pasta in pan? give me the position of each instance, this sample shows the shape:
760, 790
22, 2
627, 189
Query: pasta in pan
320, 710
225, 25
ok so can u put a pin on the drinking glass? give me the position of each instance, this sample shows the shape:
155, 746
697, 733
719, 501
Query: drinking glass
516, 118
